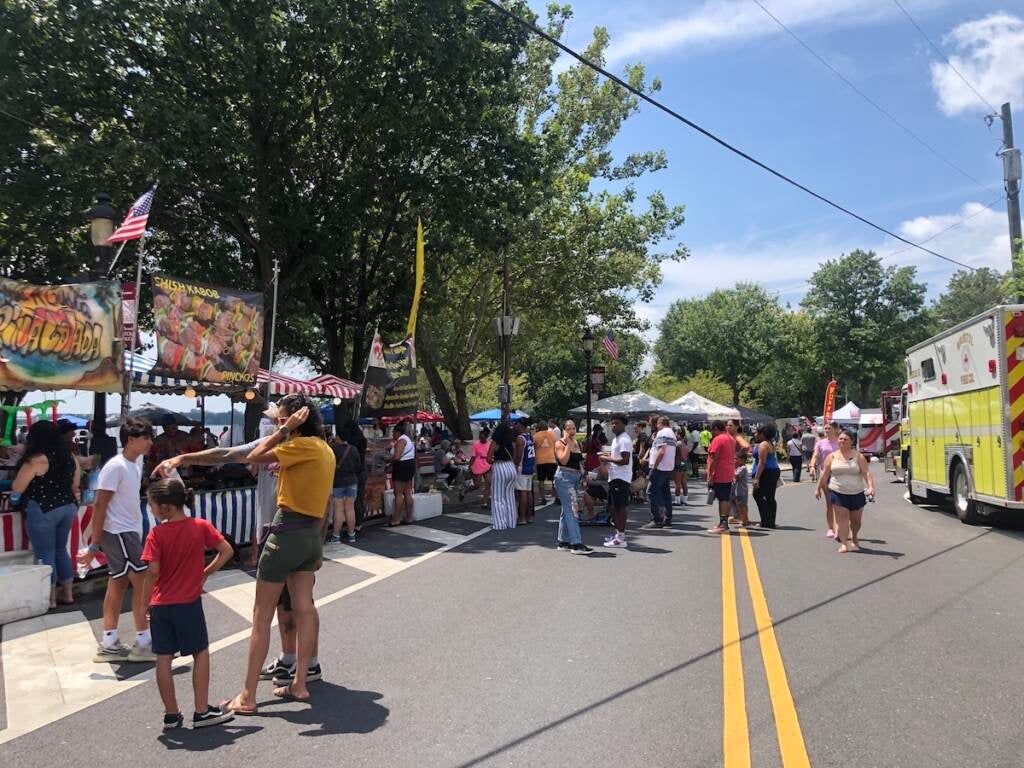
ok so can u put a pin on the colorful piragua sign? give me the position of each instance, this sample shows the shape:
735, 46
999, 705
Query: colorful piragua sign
207, 333
61, 336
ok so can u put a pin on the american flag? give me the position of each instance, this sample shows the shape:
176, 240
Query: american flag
135, 222
610, 345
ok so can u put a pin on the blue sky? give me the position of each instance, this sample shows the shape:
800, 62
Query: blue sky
729, 67
726, 65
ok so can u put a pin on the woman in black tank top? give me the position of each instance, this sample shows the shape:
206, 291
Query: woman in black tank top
48, 480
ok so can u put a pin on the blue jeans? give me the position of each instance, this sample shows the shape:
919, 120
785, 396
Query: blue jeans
660, 495
48, 532
567, 485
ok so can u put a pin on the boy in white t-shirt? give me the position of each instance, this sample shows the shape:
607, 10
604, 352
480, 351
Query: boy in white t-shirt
619, 460
117, 532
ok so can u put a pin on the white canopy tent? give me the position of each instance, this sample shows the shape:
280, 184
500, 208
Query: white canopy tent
849, 413
634, 404
704, 409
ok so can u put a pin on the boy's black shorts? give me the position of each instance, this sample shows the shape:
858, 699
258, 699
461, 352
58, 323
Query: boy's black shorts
178, 628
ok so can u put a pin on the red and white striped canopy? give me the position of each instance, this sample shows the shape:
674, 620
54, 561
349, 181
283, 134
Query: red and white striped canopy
319, 386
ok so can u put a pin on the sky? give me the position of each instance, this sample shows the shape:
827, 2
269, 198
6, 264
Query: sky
728, 66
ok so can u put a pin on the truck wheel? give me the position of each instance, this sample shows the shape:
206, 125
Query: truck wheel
914, 498
963, 504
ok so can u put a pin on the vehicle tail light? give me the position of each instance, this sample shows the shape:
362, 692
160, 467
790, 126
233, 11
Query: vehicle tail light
910, 388
992, 367
944, 379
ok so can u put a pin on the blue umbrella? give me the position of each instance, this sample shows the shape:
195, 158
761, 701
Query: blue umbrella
494, 414
78, 421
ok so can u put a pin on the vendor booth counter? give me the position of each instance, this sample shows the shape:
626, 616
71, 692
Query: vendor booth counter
231, 511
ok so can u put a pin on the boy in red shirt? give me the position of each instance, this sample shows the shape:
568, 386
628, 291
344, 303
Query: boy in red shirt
175, 551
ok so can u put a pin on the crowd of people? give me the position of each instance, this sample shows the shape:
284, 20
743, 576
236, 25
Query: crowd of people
308, 484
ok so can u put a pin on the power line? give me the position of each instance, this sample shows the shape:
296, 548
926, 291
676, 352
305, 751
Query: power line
705, 132
871, 101
954, 225
942, 56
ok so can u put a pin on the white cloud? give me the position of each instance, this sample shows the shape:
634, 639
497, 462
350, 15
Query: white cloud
783, 266
728, 21
990, 55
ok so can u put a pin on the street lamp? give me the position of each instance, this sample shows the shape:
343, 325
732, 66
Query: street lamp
588, 352
101, 217
505, 327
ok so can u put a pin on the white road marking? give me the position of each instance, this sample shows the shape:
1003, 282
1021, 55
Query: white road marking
51, 671
476, 517
430, 534
376, 565
60, 658
238, 597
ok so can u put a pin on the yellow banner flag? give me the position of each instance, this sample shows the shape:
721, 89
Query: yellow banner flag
411, 329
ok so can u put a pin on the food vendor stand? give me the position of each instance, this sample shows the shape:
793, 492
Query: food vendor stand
224, 496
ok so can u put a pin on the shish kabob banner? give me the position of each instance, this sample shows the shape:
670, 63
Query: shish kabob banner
206, 333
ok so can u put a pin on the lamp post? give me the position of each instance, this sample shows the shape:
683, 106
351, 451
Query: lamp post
588, 353
101, 217
505, 327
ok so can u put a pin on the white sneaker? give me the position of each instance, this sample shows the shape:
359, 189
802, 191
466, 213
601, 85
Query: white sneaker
141, 653
616, 543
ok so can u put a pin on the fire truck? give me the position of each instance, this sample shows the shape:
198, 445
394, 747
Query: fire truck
893, 406
963, 415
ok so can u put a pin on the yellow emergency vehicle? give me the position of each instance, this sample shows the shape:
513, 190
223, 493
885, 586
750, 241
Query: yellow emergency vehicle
963, 417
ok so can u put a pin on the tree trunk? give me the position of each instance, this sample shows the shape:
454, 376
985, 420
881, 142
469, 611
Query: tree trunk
865, 392
735, 387
456, 419
461, 405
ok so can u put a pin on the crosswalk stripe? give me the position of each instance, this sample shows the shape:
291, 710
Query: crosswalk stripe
476, 517
240, 597
52, 671
64, 658
354, 557
430, 534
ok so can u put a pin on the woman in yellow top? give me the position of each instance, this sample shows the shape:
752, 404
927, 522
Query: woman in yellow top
294, 548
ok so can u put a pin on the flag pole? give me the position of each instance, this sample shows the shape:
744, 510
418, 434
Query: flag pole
117, 256
273, 327
126, 402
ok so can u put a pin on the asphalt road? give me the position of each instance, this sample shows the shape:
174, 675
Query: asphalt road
488, 648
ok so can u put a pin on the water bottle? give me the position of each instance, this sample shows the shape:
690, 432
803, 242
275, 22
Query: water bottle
83, 570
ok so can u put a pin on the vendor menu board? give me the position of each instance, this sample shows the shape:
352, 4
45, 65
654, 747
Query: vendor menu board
61, 336
207, 333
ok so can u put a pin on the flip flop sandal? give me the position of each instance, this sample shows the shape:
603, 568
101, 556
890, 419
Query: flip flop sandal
225, 705
287, 695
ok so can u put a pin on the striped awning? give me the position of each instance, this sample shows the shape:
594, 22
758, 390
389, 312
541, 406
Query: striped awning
320, 386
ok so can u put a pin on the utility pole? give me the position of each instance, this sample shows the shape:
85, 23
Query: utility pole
1011, 178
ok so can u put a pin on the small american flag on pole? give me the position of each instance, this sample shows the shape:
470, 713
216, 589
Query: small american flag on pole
610, 345
135, 222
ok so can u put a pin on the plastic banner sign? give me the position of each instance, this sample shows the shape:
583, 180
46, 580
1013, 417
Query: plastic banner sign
207, 333
61, 336
830, 402
389, 387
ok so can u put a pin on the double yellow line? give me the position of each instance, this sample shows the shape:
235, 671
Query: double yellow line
735, 731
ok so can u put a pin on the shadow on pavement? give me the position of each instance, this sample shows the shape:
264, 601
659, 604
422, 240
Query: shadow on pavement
868, 551
205, 739
792, 528
334, 709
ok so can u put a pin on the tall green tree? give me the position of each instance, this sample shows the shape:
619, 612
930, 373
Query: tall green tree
968, 294
793, 379
729, 333
865, 316
574, 250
